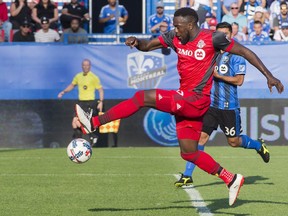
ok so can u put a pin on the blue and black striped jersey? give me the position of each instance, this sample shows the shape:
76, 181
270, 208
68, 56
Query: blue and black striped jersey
224, 95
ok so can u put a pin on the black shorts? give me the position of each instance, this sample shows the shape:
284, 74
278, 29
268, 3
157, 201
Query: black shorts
228, 120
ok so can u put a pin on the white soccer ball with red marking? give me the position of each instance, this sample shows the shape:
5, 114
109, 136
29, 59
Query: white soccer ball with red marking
79, 150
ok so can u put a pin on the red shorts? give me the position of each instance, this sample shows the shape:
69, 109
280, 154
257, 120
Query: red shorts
188, 108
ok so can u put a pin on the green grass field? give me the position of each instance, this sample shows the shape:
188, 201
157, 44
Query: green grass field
136, 181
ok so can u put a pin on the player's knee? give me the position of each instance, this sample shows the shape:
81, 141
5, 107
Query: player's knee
234, 142
203, 138
189, 156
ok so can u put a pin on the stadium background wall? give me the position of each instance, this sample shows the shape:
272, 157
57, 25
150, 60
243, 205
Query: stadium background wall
47, 123
33, 75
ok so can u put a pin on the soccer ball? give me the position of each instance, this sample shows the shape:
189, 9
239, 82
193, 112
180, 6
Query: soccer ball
79, 150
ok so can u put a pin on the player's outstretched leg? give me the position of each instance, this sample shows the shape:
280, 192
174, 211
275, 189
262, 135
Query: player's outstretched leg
122, 110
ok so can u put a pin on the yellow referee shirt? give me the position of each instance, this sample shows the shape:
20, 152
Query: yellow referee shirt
87, 85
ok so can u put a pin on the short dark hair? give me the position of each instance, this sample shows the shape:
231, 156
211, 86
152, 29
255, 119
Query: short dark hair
283, 3
258, 22
187, 12
75, 19
224, 25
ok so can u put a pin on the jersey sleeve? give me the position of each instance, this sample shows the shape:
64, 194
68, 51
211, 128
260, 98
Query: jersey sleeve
166, 39
239, 65
102, 13
222, 42
97, 83
124, 12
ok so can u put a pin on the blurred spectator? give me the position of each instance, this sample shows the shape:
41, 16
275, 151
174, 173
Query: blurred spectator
45, 8
260, 16
75, 34
205, 24
274, 10
235, 16
186, 3
107, 16
282, 34
239, 36
282, 17
226, 4
24, 34
202, 7
46, 34
73, 10
19, 11
212, 23
159, 19
4, 22
248, 8
258, 35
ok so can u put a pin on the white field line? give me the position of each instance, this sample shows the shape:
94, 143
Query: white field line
196, 200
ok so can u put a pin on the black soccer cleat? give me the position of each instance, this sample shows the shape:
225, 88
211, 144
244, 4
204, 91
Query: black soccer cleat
184, 180
263, 152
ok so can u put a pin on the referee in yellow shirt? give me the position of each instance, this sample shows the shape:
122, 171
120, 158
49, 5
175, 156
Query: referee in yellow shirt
87, 83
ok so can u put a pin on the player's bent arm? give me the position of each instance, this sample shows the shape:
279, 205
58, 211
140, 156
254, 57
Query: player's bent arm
250, 56
236, 80
143, 45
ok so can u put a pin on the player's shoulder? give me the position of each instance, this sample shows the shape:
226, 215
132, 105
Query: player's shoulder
105, 7
237, 58
205, 34
152, 17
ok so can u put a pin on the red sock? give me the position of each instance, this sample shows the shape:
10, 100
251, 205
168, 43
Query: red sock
121, 110
203, 160
226, 176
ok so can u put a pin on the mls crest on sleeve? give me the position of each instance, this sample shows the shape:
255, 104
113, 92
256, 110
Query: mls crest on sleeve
145, 70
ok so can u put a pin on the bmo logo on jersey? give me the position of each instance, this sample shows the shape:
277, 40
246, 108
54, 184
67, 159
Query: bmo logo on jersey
184, 52
199, 54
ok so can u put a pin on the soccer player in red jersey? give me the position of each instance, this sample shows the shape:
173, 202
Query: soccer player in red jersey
197, 50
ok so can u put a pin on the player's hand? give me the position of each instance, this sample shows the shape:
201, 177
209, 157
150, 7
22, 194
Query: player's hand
215, 73
131, 42
272, 81
60, 95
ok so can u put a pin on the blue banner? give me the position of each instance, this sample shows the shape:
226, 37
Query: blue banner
41, 71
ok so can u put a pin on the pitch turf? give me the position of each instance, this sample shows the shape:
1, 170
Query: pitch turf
136, 181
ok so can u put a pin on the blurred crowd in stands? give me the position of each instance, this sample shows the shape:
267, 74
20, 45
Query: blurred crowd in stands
252, 20
39, 21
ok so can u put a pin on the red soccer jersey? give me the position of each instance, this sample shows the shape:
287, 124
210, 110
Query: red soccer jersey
196, 59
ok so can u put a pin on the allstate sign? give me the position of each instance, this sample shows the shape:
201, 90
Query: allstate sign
160, 127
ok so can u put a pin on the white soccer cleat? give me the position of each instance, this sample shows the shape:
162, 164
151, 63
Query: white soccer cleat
235, 188
84, 119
